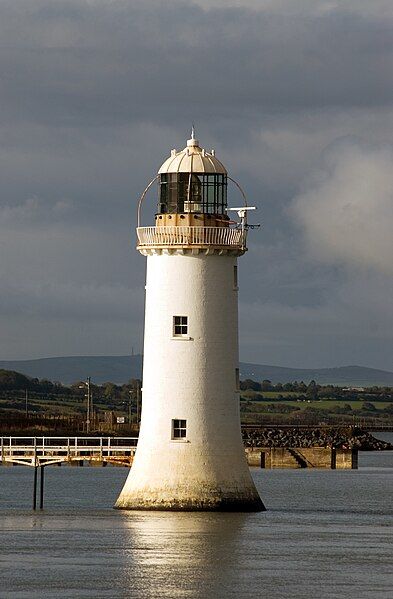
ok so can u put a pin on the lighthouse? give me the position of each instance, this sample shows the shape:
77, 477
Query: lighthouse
190, 454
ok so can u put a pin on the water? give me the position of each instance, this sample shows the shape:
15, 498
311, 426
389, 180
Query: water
326, 534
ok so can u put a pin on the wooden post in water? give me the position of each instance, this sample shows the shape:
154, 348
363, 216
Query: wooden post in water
42, 487
333, 458
35, 488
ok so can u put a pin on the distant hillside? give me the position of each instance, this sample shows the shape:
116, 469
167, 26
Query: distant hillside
359, 376
119, 369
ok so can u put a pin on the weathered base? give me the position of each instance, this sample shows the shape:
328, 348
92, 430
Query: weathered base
200, 498
223, 505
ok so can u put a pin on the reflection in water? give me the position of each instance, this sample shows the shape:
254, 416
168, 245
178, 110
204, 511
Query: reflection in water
326, 534
181, 554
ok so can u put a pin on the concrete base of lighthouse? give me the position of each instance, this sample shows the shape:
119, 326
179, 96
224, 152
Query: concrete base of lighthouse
212, 501
182, 490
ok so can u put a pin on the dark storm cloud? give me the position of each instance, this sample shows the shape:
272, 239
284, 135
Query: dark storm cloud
93, 96
80, 63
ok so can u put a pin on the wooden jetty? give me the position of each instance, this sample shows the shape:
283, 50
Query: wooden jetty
39, 452
46, 451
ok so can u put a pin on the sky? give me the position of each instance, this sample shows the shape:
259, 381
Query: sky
296, 97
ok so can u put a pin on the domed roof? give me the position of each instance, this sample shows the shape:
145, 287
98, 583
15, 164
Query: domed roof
192, 159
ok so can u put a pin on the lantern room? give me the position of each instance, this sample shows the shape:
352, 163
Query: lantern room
192, 182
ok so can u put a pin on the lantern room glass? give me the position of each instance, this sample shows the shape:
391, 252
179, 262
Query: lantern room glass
192, 192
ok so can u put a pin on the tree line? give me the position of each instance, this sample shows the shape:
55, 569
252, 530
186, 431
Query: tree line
11, 381
314, 391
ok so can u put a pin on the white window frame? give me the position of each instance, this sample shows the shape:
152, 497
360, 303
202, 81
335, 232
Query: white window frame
182, 324
178, 427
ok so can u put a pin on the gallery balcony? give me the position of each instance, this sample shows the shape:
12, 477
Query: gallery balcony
214, 239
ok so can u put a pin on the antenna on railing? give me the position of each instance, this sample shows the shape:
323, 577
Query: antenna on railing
242, 214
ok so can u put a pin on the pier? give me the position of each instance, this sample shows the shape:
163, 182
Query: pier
39, 452
302, 457
47, 451
283, 451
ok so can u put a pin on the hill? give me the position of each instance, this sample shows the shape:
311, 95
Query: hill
119, 369
67, 370
359, 376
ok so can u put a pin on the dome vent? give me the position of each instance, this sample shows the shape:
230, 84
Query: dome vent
193, 159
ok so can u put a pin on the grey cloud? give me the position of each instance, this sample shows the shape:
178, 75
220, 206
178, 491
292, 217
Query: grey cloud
33, 210
24, 337
351, 323
94, 94
346, 209
328, 298
54, 299
113, 63
305, 8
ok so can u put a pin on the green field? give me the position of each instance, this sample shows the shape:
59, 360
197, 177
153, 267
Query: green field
322, 404
327, 404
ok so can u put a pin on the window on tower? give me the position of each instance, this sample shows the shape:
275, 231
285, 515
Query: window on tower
180, 326
179, 429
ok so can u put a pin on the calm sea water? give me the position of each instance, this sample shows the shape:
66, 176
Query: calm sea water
325, 534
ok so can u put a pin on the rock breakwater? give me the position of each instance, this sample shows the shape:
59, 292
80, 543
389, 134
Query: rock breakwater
343, 438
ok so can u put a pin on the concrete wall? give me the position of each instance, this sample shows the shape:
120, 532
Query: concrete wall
303, 457
346, 458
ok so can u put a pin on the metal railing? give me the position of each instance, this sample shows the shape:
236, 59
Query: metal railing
36, 451
186, 236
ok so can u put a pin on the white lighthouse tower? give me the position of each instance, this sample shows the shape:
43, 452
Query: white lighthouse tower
190, 454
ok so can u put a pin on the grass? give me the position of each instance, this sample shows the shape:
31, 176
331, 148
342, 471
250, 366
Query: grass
327, 404
323, 404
